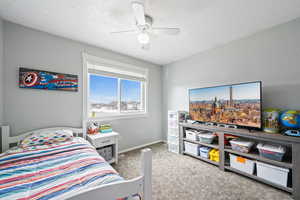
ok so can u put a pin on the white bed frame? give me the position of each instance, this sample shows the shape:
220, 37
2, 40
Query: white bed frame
141, 185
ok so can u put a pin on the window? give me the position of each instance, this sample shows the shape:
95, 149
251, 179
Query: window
103, 94
114, 90
131, 96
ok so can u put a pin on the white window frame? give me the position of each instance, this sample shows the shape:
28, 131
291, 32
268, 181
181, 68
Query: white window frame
90, 59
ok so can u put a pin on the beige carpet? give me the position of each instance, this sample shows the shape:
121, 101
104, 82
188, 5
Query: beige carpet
185, 178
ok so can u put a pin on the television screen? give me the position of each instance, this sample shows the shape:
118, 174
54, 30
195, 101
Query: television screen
238, 104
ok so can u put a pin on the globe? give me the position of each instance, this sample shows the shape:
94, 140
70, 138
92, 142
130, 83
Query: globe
290, 119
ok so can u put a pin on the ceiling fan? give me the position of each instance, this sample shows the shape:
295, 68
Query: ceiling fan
144, 27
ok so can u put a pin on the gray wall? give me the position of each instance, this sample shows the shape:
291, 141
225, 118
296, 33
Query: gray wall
1, 71
272, 56
27, 109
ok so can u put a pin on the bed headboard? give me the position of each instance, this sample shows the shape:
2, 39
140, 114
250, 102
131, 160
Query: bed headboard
7, 140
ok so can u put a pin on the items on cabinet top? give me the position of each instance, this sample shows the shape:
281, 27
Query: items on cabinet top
95, 128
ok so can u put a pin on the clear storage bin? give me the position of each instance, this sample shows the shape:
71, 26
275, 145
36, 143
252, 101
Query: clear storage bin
204, 152
207, 138
191, 135
191, 148
274, 174
273, 152
243, 146
242, 164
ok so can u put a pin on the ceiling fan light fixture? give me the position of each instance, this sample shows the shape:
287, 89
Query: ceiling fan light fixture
143, 38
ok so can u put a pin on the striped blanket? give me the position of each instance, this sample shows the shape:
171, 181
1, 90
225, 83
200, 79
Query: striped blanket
52, 172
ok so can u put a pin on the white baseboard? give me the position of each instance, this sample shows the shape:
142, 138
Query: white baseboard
140, 146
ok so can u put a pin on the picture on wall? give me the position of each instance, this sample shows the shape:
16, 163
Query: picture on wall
37, 79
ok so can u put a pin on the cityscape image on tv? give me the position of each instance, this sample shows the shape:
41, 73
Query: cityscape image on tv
235, 104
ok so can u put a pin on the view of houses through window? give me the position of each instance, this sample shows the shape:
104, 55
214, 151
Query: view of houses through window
111, 95
131, 95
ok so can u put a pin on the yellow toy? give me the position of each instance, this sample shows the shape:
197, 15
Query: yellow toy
214, 155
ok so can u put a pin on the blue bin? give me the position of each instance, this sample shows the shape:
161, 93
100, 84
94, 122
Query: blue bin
204, 152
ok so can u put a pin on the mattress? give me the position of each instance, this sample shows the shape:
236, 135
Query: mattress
52, 171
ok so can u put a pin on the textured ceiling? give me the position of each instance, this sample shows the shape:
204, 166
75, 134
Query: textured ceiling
205, 24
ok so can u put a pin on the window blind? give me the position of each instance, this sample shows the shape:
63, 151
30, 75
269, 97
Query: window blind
124, 72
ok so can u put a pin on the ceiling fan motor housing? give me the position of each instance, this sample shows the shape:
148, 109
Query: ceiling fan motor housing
148, 24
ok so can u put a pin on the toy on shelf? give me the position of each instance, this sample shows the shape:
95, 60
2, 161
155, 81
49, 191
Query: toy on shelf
290, 120
271, 120
93, 128
228, 137
105, 128
214, 155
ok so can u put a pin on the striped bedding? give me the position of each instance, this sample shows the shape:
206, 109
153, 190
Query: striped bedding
52, 172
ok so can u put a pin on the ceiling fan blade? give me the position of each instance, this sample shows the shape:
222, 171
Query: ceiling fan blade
126, 31
139, 11
168, 31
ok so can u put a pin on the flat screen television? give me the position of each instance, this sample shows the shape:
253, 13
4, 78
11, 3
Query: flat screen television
236, 104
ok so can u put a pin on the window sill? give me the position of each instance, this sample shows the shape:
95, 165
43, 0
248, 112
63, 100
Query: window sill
119, 116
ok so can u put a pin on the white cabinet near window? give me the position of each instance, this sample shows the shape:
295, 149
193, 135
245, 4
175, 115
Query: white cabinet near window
174, 118
106, 145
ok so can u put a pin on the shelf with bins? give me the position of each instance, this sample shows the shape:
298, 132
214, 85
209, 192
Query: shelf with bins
253, 176
214, 145
291, 160
202, 158
256, 156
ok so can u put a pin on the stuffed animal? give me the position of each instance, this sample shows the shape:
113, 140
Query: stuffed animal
93, 128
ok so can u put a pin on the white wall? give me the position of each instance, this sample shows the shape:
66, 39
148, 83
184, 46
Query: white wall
272, 56
27, 109
1, 71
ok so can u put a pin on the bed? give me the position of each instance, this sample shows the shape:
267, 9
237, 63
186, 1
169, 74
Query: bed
71, 169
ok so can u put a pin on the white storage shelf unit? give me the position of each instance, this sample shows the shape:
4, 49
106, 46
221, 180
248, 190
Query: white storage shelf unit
173, 131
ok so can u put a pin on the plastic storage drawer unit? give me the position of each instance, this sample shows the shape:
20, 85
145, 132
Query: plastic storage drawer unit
191, 148
242, 164
271, 151
207, 138
173, 139
274, 174
204, 152
241, 145
173, 148
173, 131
